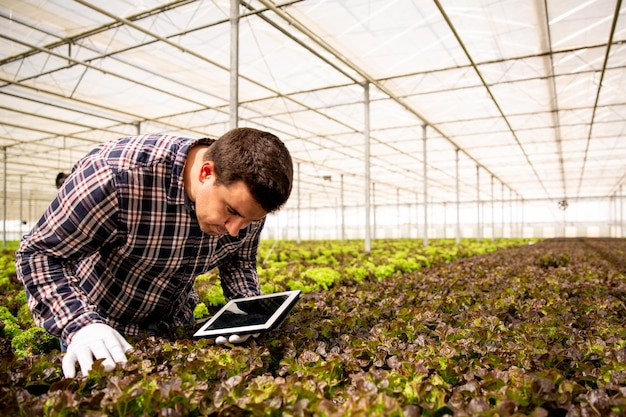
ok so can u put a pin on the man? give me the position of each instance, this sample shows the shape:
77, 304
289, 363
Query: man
117, 251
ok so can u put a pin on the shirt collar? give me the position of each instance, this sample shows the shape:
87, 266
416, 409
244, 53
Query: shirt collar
176, 193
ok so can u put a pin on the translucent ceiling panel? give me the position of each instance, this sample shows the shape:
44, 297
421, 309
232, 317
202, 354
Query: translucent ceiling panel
387, 114
185, 18
58, 18
278, 62
613, 86
580, 24
530, 122
403, 140
383, 38
492, 31
522, 89
33, 65
212, 122
458, 104
525, 96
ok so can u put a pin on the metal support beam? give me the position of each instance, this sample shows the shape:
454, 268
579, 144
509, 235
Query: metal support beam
510, 211
398, 217
311, 211
458, 208
299, 239
374, 210
4, 199
425, 157
234, 63
417, 215
343, 214
366, 137
522, 217
621, 211
22, 221
502, 207
493, 212
445, 220
478, 226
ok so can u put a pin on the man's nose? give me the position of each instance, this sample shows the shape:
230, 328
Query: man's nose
234, 225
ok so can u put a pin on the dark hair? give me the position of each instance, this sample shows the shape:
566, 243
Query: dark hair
60, 179
257, 158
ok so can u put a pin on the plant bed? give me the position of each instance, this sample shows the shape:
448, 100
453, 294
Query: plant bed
532, 330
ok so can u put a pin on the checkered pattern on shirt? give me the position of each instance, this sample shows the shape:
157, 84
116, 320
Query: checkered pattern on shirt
120, 243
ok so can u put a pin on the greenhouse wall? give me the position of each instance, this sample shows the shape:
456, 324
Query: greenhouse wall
439, 232
15, 230
539, 219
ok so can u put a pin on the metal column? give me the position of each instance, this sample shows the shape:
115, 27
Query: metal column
621, 211
511, 213
417, 215
343, 214
458, 208
425, 186
399, 222
493, 213
4, 199
374, 210
502, 207
522, 217
299, 239
22, 221
234, 64
366, 135
478, 226
445, 220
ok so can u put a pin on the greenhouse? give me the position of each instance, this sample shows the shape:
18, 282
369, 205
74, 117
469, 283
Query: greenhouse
417, 118
456, 222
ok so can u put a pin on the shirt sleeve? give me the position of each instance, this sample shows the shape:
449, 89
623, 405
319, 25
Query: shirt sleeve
238, 275
80, 219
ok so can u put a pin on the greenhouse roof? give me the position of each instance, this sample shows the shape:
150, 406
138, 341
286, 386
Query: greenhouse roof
528, 96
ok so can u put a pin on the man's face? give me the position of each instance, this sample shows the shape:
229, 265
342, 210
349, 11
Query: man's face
225, 209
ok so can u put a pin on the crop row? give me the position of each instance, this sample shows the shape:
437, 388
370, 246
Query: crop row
318, 265
522, 330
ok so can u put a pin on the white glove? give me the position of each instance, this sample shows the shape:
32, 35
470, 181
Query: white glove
97, 341
235, 338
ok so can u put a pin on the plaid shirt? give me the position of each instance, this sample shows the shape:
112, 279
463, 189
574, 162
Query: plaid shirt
120, 244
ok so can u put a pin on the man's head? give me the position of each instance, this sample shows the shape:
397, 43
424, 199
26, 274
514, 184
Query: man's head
257, 158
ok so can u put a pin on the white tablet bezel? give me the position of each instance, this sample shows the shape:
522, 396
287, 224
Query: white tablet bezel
274, 321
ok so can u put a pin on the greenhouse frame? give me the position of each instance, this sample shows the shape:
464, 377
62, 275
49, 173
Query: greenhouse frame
405, 118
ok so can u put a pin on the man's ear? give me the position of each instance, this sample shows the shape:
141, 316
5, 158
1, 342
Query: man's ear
207, 170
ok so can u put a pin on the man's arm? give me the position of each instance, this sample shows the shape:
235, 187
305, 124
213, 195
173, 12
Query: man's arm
77, 223
238, 276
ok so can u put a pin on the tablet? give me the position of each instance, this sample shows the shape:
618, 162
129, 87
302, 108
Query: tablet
256, 314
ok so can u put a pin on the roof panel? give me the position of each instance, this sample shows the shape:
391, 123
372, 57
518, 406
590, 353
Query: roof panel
586, 23
522, 89
386, 38
495, 30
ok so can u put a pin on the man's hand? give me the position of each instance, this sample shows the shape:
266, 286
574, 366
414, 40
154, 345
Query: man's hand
95, 341
235, 338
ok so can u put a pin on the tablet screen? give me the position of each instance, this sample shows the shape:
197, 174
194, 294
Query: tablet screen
250, 315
